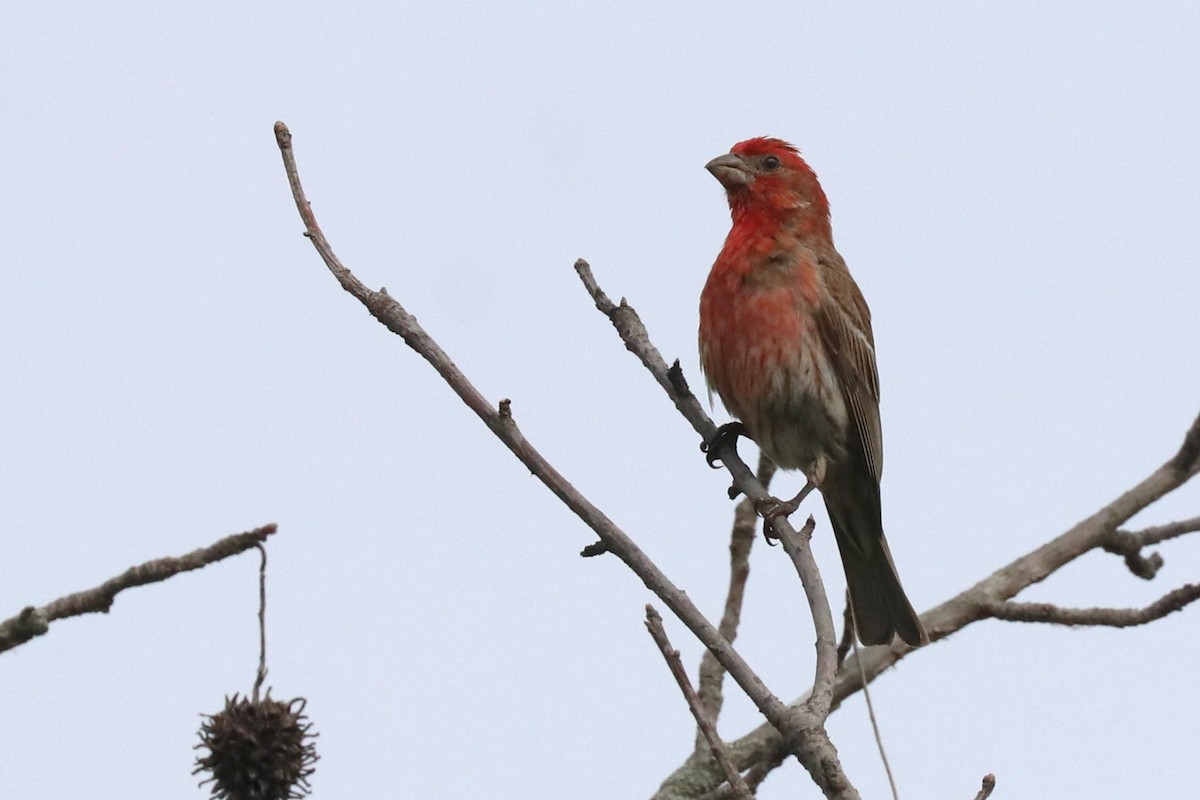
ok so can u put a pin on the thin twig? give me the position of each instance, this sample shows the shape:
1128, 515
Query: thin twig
798, 725
985, 791
33, 621
1172, 601
262, 623
887, 765
637, 340
1161, 533
705, 722
1130, 544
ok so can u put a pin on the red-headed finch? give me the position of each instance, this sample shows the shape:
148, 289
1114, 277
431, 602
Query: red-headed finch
785, 340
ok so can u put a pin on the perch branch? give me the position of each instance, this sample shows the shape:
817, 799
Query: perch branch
34, 621
633, 333
817, 705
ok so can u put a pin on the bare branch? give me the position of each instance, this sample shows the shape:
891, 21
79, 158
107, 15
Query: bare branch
763, 744
883, 757
705, 722
745, 531
1172, 601
985, 791
33, 621
810, 742
1130, 544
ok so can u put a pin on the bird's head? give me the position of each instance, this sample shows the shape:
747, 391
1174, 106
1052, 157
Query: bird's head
767, 177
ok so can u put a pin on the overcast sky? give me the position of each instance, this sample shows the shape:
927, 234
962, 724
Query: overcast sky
1015, 188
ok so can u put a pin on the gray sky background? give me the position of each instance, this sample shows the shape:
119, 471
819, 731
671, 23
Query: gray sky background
1015, 188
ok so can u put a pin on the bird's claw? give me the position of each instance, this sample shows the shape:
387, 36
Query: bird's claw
726, 436
771, 509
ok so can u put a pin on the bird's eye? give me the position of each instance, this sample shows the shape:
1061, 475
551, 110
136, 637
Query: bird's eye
771, 163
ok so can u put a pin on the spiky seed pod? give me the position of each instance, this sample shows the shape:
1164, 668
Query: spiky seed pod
257, 750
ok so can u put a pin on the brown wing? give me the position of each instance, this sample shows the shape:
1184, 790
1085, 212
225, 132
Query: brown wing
845, 327
851, 484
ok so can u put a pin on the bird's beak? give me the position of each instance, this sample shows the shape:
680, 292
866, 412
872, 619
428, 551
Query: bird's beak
732, 171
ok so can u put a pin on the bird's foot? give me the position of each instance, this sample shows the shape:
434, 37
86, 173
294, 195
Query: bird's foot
772, 509
726, 436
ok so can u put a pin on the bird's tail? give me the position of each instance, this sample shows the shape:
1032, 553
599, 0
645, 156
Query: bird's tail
881, 609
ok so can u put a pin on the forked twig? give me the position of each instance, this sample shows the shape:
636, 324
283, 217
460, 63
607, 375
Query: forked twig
1130, 544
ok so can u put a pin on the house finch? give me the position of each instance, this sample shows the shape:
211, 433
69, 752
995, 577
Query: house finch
785, 340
